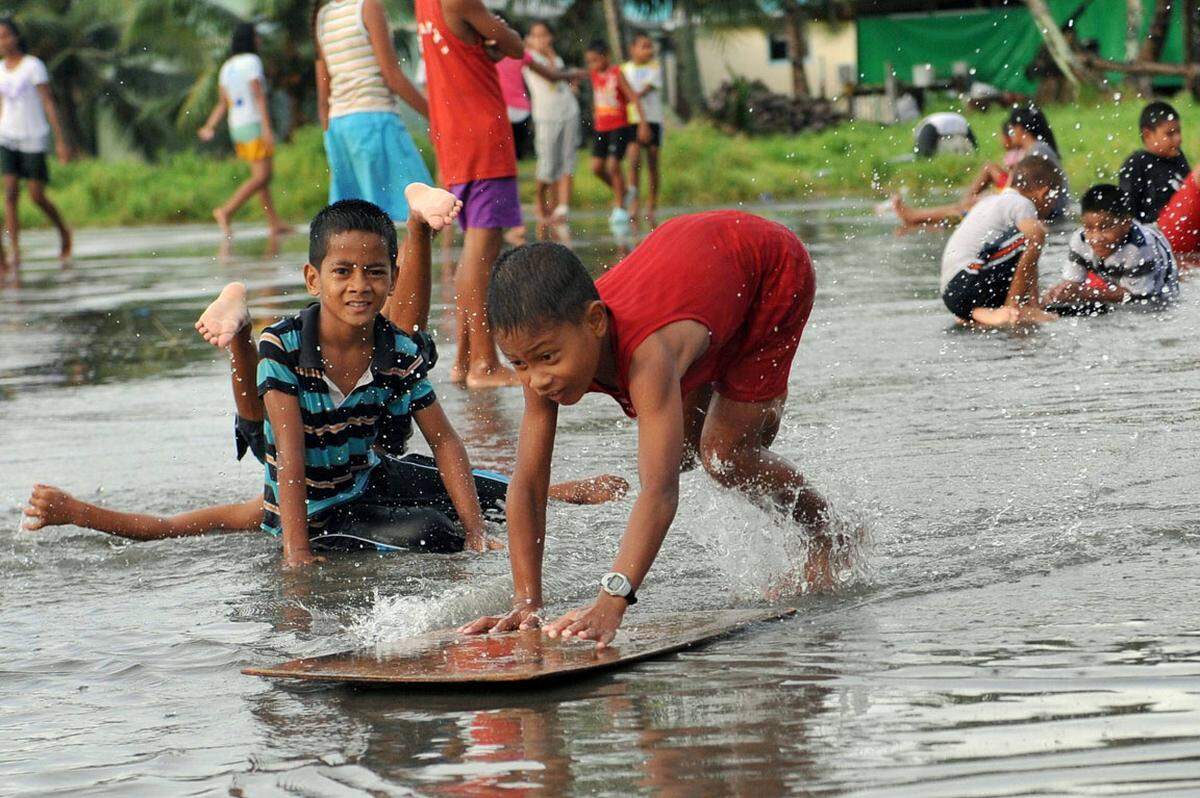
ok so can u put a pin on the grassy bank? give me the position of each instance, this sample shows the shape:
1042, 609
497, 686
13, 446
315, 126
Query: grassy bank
701, 166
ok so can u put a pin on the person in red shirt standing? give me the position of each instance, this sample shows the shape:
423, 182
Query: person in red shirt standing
694, 334
461, 41
611, 97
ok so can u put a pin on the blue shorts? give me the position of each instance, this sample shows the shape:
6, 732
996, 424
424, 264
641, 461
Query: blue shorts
372, 157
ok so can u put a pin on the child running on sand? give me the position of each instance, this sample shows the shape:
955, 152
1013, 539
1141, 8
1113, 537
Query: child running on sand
612, 96
693, 334
353, 498
990, 264
644, 75
1113, 258
461, 41
243, 95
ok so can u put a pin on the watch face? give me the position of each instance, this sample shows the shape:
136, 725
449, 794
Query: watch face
615, 584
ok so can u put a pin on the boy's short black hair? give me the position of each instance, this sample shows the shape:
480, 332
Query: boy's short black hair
598, 46
1155, 114
1106, 198
641, 34
1034, 171
537, 284
345, 216
243, 39
15, 30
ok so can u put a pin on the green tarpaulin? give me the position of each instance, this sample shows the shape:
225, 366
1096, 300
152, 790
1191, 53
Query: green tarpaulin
997, 43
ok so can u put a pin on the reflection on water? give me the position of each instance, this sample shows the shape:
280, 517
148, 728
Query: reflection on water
1027, 627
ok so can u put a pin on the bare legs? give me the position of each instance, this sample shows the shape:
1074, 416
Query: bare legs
988, 175
49, 506
609, 171
636, 153
259, 183
478, 365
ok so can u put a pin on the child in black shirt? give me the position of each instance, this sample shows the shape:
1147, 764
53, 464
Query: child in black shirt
1151, 176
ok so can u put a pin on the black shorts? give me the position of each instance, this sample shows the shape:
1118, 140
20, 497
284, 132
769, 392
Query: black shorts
655, 134
986, 288
405, 507
25, 165
611, 144
523, 138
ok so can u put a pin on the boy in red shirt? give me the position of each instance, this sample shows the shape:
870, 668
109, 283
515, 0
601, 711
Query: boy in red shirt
468, 122
611, 97
694, 335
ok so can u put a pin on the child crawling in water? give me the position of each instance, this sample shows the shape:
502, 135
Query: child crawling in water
694, 335
338, 388
1113, 258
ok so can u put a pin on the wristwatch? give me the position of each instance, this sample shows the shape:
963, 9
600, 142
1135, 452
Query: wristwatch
615, 584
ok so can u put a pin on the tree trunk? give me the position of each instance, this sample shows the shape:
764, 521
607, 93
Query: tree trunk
1133, 28
690, 97
1056, 43
793, 23
1191, 44
1156, 34
612, 25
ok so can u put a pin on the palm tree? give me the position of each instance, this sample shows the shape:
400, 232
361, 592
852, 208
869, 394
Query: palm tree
141, 63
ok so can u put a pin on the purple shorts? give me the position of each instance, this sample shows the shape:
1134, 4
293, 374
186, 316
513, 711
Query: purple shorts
490, 203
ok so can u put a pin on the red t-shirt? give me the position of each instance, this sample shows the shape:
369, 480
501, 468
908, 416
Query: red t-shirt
747, 279
609, 100
468, 121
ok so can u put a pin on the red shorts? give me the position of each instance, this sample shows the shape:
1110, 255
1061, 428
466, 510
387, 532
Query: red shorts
758, 370
1179, 219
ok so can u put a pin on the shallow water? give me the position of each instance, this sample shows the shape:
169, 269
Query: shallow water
1026, 624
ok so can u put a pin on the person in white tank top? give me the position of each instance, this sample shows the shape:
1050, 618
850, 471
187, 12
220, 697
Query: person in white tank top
370, 153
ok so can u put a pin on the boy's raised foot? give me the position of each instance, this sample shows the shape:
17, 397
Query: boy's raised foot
496, 376
49, 506
225, 317
433, 206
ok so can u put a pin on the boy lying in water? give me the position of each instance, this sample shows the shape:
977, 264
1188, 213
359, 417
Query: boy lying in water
1113, 258
694, 335
339, 385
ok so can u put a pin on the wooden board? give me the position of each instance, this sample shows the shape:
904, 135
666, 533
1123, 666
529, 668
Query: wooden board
515, 658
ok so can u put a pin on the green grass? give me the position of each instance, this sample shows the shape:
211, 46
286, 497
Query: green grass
701, 166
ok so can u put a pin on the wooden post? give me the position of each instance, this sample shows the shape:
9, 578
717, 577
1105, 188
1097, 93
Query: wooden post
793, 25
612, 24
889, 91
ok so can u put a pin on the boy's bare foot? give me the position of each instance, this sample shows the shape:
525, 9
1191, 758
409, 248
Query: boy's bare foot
904, 213
227, 315
222, 217
496, 376
49, 506
594, 490
433, 206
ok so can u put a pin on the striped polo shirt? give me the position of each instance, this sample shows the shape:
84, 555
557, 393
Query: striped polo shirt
339, 438
355, 81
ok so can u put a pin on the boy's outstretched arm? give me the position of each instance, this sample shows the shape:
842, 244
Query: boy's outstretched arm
283, 410
455, 468
526, 511
654, 388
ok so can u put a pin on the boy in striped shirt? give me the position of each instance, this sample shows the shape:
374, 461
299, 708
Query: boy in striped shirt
332, 402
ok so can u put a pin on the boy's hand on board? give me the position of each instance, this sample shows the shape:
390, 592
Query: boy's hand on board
524, 617
598, 622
